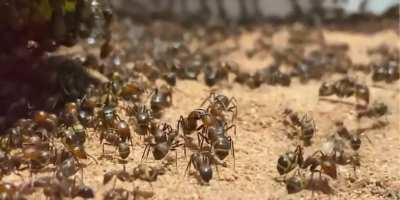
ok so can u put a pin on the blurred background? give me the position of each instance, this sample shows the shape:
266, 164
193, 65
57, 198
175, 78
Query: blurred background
237, 10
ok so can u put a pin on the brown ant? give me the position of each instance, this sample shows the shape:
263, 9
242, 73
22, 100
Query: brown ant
335, 148
119, 137
69, 115
45, 120
326, 163
86, 110
73, 140
35, 152
132, 90
123, 130
219, 104
12, 191
190, 123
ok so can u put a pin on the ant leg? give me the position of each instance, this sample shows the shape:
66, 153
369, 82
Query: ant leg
233, 153
82, 176
176, 161
234, 129
217, 169
212, 94
114, 183
146, 148
184, 146
201, 127
92, 157
200, 141
318, 152
118, 117
188, 166
148, 151
131, 141
233, 110
102, 150
233, 101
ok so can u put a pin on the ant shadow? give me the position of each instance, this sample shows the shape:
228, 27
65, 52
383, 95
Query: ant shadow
320, 185
316, 185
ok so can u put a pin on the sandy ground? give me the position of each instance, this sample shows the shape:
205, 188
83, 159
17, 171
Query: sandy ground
260, 138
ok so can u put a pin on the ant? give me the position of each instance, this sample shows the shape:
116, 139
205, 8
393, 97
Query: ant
388, 71
305, 123
164, 141
69, 116
12, 191
189, 124
220, 143
326, 163
107, 117
272, 76
295, 184
45, 120
35, 152
123, 131
221, 103
161, 99
213, 74
119, 137
201, 161
132, 90
143, 116
290, 160
353, 136
335, 148
346, 87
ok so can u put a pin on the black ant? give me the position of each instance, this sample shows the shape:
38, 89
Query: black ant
305, 123
161, 99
